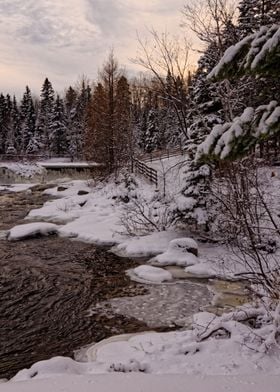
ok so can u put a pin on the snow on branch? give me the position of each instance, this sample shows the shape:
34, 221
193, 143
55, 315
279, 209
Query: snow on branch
233, 139
257, 53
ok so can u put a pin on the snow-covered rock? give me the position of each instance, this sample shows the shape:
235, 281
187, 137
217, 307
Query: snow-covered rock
181, 251
21, 232
152, 274
202, 270
146, 246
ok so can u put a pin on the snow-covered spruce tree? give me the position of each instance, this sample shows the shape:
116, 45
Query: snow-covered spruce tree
152, 136
77, 124
210, 105
256, 54
28, 118
253, 15
10, 139
14, 146
256, 13
3, 124
45, 115
205, 111
57, 133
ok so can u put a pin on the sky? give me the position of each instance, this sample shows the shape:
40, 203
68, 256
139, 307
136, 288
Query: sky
64, 39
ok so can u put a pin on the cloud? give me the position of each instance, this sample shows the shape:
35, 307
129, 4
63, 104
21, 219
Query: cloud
64, 39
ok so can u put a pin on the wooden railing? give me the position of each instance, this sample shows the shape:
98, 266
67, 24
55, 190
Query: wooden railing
146, 171
156, 155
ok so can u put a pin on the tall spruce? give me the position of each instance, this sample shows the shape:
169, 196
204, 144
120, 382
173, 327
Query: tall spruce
78, 121
3, 124
45, 116
28, 118
256, 13
16, 127
57, 133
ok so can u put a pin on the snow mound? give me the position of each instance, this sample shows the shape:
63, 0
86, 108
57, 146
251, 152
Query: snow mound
16, 187
54, 366
184, 245
152, 274
148, 245
21, 232
181, 251
202, 270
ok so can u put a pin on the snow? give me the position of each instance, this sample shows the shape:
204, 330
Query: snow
215, 345
148, 245
16, 187
31, 229
224, 139
201, 270
135, 382
229, 56
170, 173
269, 44
182, 356
179, 252
25, 170
152, 274
261, 44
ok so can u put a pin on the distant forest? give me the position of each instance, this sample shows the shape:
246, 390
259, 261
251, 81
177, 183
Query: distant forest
113, 118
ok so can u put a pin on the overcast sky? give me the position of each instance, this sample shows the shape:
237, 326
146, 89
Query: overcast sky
62, 39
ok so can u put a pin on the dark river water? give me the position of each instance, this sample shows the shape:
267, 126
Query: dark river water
46, 288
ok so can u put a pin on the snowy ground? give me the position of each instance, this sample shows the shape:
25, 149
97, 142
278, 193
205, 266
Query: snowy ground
16, 187
91, 212
170, 173
146, 383
24, 170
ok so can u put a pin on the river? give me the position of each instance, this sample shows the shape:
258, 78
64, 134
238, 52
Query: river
47, 285
58, 295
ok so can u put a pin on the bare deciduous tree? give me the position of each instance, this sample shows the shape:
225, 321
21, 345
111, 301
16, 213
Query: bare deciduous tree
167, 59
207, 18
249, 223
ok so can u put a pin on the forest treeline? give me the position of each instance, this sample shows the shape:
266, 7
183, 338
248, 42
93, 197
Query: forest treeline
115, 117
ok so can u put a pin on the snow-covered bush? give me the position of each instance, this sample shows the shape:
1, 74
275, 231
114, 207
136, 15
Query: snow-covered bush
248, 221
143, 215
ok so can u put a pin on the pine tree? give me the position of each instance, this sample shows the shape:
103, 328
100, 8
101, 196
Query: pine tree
10, 140
28, 118
16, 127
57, 133
152, 136
207, 109
3, 124
45, 115
78, 122
256, 13
253, 126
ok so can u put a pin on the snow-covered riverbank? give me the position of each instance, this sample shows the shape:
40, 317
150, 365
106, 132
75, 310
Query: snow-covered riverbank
225, 345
